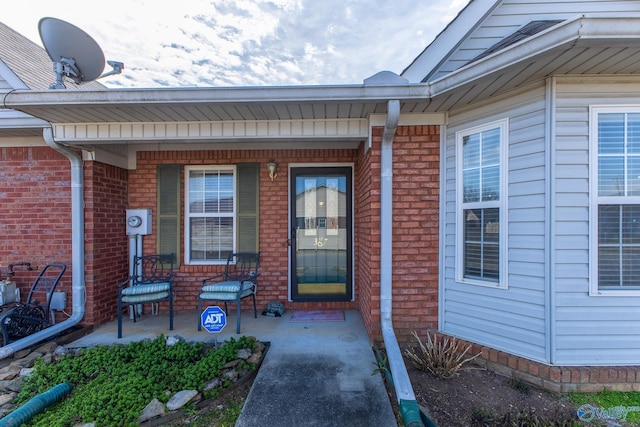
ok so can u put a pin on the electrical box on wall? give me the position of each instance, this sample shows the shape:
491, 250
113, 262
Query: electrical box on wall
138, 222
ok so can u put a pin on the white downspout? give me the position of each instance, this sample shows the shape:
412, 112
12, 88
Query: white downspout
409, 408
77, 252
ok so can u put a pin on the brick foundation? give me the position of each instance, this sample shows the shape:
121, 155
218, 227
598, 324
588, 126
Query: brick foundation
557, 379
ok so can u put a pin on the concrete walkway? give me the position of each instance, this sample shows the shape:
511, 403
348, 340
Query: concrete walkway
314, 374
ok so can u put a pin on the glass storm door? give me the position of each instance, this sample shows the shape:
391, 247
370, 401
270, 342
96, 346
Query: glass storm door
321, 235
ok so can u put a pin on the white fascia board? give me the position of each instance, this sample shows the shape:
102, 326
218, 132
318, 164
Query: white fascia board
448, 40
236, 95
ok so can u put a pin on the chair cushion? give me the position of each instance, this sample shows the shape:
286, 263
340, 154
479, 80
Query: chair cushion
144, 297
228, 286
150, 288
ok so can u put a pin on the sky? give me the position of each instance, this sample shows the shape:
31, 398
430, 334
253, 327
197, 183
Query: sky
221, 43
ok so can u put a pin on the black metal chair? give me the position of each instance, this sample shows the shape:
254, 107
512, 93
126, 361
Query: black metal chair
239, 280
35, 314
150, 282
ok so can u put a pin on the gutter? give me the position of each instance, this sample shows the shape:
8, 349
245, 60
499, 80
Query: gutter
77, 252
409, 408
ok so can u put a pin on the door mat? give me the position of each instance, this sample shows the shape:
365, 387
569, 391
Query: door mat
317, 316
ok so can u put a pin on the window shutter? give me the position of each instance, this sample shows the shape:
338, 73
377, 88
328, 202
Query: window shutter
168, 227
248, 191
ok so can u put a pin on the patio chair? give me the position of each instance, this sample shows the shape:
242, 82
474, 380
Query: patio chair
239, 280
150, 282
35, 314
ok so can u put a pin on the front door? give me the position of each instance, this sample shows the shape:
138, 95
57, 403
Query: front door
321, 234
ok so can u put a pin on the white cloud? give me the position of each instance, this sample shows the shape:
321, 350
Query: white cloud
250, 42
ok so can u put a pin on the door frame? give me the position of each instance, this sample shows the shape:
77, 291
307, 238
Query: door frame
319, 167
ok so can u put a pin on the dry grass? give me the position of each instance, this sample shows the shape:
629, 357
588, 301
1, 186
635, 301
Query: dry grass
441, 357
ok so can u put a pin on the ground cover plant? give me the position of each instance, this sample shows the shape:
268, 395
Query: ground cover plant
112, 384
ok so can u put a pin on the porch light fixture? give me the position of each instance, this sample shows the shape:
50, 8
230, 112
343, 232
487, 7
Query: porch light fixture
272, 167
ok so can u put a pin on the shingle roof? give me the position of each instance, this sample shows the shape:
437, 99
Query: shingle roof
532, 28
31, 63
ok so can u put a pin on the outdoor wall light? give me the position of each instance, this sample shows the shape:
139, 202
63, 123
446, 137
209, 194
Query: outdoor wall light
272, 167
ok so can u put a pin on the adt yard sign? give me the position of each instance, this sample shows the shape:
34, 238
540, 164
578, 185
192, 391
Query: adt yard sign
213, 319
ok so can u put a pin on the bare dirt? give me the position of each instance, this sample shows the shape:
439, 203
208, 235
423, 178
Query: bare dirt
478, 397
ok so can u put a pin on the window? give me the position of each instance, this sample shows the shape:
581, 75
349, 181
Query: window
204, 206
210, 213
481, 205
615, 134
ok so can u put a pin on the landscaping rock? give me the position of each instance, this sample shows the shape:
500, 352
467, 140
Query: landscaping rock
6, 398
243, 353
181, 398
155, 408
9, 372
210, 385
254, 359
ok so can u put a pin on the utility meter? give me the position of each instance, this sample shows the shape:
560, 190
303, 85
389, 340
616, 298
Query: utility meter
138, 221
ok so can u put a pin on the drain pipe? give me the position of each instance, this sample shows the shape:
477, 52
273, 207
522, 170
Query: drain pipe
77, 252
409, 408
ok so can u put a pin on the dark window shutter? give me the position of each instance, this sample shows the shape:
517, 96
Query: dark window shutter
247, 219
168, 227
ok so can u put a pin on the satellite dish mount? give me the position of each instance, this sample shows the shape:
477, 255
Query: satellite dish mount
74, 53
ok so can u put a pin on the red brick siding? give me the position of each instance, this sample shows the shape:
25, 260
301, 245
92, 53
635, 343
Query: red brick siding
106, 243
273, 285
35, 212
416, 170
558, 379
367, 239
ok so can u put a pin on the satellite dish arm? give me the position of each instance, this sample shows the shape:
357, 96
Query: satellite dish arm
116, 66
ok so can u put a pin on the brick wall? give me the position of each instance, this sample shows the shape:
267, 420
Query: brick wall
367, 239
35, 212
106, 243
557, 379
273, 284
416, 170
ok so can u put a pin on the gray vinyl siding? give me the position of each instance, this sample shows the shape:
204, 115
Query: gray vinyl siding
512, 319
510, 15
589, 330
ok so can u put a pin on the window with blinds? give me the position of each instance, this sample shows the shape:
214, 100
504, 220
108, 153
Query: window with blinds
480, 204
618, 199
210, 212
220, 208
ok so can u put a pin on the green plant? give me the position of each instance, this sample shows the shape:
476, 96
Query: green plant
481, 417
442, 357
520, 384
382, 366
112, 384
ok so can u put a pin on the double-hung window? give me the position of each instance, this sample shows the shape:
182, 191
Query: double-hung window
210, 212
481, 210
615, 220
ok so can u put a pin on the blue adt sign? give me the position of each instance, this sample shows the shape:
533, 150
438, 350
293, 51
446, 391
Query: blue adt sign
213, 319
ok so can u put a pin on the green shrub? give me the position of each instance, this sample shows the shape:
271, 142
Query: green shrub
112, 384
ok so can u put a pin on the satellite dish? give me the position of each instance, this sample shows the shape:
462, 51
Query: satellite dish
73, 52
